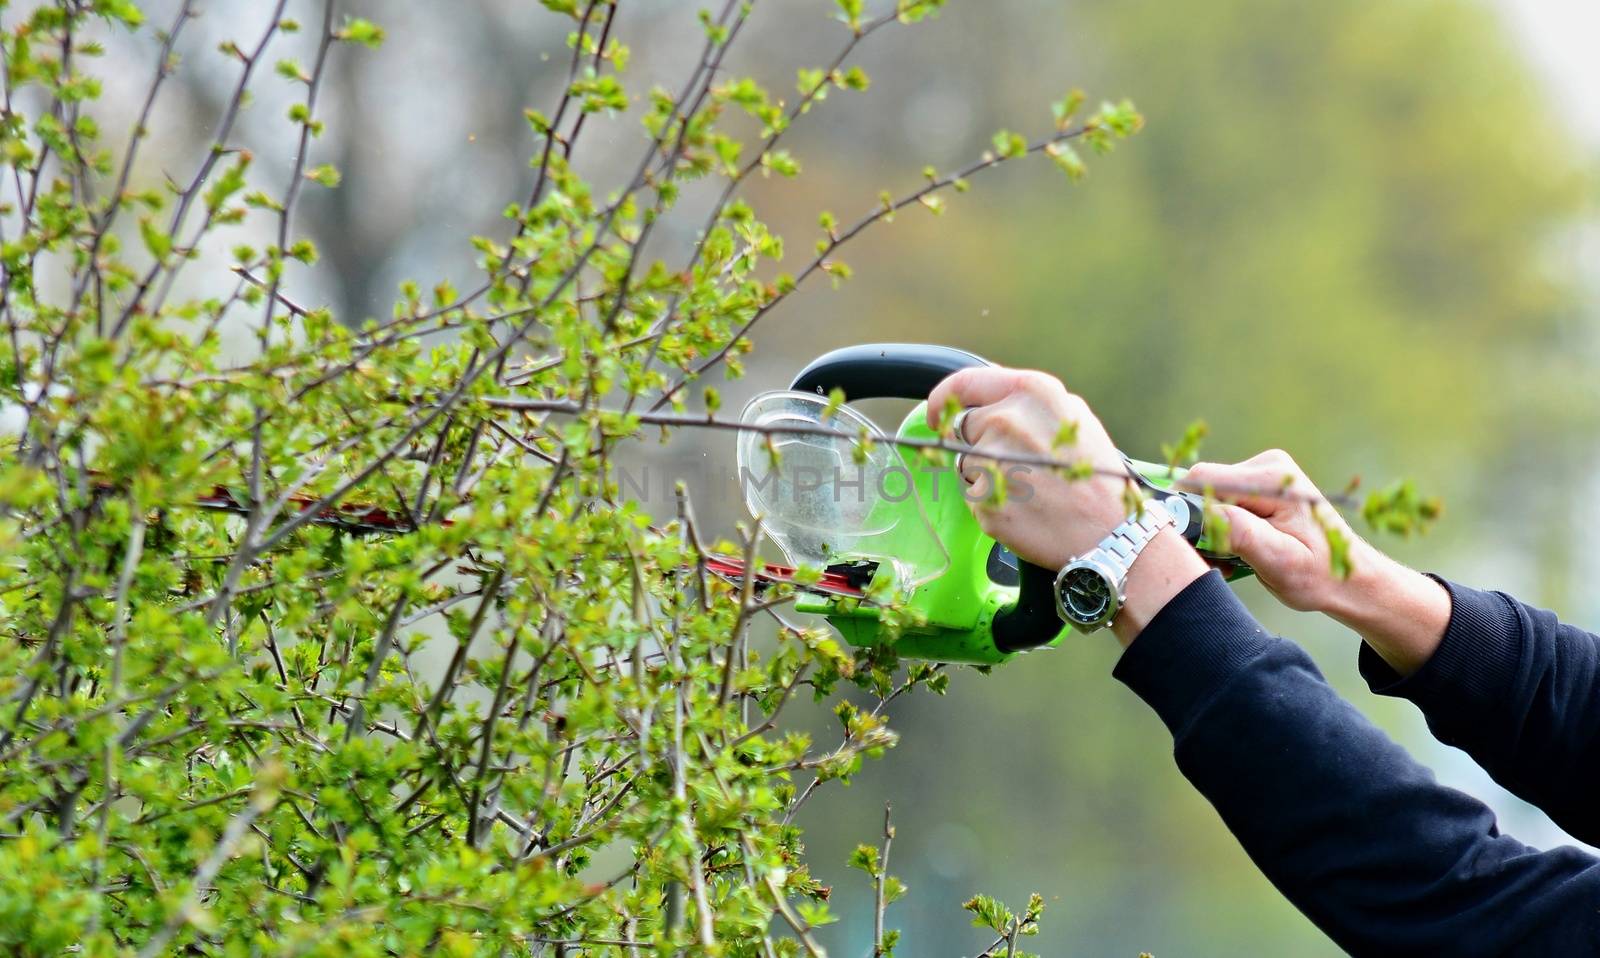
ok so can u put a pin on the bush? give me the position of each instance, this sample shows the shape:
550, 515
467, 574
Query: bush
352, 646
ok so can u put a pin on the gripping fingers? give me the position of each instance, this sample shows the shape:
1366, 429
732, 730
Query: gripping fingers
1260, 485
977, 386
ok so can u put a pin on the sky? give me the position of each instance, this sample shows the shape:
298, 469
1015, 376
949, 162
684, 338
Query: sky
1562, 36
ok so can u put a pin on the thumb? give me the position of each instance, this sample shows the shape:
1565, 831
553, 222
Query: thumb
1250, 537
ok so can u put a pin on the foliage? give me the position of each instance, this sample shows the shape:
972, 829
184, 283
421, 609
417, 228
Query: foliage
991, 914
352, 646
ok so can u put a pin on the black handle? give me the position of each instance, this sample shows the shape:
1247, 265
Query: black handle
910, 371
884, 370
1032, 620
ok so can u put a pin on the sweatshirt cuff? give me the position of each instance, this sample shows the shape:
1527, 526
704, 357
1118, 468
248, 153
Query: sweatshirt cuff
1475, 662
1190, 650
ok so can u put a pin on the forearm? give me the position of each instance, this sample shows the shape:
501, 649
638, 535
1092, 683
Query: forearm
1518, 691
1399, 612
1508, 684
1360, 837
1165, 568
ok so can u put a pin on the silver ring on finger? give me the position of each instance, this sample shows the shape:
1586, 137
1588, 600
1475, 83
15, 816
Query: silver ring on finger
958, 426
961, 469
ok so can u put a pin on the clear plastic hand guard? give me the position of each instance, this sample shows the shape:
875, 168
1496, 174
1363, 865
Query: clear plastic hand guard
829, 488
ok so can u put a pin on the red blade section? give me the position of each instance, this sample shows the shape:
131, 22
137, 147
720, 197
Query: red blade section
839, 581
831, 583
353, 517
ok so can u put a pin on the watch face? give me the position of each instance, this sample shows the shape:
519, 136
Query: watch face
1085, 595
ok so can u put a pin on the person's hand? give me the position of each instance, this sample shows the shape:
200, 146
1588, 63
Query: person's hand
1280, 523
1045, 517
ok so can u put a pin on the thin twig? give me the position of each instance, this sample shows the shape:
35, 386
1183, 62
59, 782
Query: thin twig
882, 880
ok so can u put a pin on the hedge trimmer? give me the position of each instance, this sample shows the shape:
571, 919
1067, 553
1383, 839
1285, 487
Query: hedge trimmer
861, 516
869, 523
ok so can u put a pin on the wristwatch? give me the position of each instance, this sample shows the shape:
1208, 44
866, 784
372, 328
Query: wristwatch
1089, 589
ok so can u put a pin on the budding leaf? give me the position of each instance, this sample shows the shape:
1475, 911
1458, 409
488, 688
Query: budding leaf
855, 78
1186, 449
1009, 145
1064, 108
1067, 160
865, 858
155, 240
1400, 509
326, 174
988, 913
364, 32
1066, 435
811, 83
1216, 530
780, 162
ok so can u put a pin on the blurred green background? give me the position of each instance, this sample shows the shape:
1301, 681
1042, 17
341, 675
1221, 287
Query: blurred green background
1347, 231
1354, 230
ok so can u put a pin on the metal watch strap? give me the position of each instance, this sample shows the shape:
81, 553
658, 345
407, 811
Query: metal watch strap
1127, 540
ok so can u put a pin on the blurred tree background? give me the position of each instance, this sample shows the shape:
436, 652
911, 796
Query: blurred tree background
1334, 236
1341, 233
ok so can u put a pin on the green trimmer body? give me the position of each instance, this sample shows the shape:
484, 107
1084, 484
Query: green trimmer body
834, 493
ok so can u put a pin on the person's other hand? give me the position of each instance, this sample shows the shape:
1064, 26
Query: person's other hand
1279, 523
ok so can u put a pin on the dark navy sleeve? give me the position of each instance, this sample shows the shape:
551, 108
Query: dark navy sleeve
1519, 692
1355, 833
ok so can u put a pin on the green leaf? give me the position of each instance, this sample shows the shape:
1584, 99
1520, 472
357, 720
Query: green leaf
231, 181
912, 11
815, 914
1067, 160
303, 250
599, 93
326, 174
1216, 530
865, 858
364, 32
158, 242
780, 162
1065, 108
292, 70
989, 913
812, 83
1400, 509
893, 889
1186, 449
127, 12
1338, 551
1009, 145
